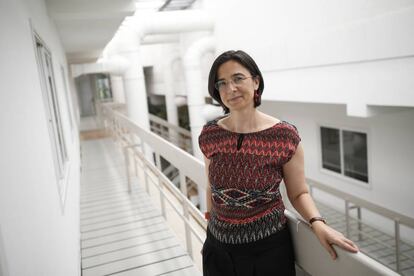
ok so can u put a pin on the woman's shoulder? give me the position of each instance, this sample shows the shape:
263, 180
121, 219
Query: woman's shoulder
213, 122
283, 127
276, 121
288, 131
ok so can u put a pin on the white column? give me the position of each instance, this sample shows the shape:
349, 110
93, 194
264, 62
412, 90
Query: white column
195, 98
134, 84
172, 113
135, 91
195, 87
117, 85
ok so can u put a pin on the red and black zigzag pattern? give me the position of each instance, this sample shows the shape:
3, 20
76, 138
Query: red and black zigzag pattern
279, 141
245, 181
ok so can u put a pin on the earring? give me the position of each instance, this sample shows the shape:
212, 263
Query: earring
256, 97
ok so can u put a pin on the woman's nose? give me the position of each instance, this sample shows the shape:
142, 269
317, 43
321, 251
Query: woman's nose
231, 86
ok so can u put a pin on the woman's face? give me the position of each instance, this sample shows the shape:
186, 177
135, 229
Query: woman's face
236, 85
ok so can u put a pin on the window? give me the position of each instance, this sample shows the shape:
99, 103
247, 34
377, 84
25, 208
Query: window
331, 156
54, 121
67, 97
102, 87
345, 152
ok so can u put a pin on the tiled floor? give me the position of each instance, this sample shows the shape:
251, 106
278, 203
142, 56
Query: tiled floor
122, 234
88, 123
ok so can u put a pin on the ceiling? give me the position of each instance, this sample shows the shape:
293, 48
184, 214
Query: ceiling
86, 26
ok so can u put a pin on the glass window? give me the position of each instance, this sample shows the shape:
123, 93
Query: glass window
102, 87
67, 97
52, 109
345, 152
355, 155
331, 156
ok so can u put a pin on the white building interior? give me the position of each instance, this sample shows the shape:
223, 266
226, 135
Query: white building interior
102, 103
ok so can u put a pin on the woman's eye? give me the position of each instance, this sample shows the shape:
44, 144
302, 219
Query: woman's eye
237, 79
221, 84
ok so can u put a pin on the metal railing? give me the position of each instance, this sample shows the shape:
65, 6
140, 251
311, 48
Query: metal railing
177, 135
353, 202
310, 256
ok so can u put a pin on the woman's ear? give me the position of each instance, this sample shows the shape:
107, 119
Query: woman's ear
256, 82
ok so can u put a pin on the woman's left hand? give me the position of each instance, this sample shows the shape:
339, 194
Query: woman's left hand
328, 236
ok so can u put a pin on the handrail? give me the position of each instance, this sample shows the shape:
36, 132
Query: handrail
183, 161
308, 249
309, 254
386, 213
164, 123
403, 219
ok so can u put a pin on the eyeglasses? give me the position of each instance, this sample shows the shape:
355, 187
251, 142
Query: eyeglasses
237, 81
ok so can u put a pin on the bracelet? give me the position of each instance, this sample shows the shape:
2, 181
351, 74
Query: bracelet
312, 220
207, 215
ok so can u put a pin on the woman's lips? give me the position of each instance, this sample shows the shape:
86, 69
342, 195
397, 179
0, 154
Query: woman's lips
235, 98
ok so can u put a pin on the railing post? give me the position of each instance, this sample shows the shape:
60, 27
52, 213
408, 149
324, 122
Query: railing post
183, 184
347, 217
359, 226
126, 156
187, 216
397, 245
144, 166
162, 132
118, 133
136, 166
160, 184
359, 223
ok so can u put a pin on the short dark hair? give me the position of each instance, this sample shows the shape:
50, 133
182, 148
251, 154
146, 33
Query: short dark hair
246, 61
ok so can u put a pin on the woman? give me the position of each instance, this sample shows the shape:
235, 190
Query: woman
247, 154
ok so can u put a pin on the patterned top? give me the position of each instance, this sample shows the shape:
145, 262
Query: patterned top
245, 172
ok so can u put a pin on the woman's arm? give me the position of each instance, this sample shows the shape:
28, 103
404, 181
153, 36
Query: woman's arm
298, 193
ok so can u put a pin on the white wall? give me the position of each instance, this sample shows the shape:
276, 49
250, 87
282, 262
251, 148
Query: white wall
85, 87
390, 152
39, 235
351, 52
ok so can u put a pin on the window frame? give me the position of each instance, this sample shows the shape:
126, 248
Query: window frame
53, 115
342, 176
68, 99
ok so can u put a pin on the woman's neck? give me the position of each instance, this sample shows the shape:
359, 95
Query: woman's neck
244, 120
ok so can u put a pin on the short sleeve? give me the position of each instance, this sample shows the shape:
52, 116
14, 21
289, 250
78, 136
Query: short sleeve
292, 141
204, 142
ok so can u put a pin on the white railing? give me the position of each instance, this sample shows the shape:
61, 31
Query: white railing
310, 255
353, 202
177, 135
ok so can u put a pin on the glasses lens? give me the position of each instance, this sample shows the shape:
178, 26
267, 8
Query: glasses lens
237, 80
220, 85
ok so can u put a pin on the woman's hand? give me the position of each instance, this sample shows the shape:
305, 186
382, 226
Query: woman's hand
328, 236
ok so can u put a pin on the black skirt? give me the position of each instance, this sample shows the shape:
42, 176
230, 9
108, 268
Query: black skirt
270, 256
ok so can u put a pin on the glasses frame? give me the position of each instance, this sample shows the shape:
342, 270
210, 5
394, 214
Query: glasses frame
242, 78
